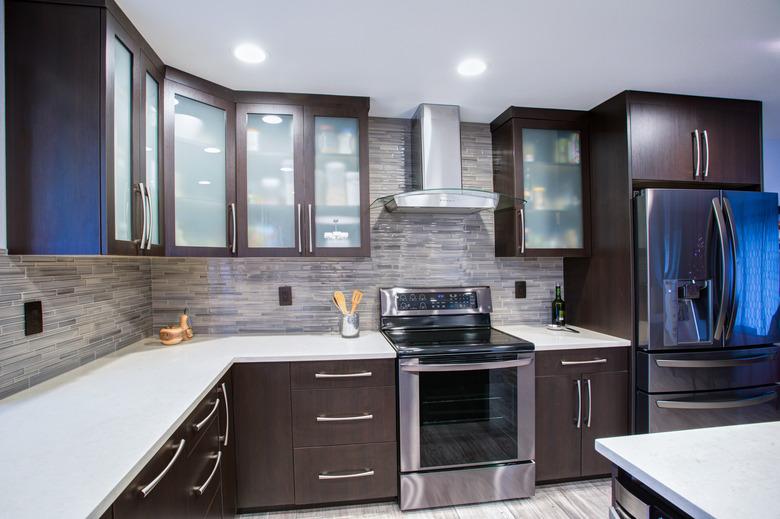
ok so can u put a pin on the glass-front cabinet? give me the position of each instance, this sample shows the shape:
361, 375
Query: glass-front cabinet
540, 158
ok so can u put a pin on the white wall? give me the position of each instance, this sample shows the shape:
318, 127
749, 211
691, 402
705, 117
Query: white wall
2, 126
772, 165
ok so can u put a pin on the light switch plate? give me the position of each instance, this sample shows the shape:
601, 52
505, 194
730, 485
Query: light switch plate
285, 296
33, 317
520, 290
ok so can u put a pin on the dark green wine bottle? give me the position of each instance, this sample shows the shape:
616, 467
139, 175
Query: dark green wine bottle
558, 308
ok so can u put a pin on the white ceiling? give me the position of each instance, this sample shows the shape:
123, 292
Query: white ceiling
543, 53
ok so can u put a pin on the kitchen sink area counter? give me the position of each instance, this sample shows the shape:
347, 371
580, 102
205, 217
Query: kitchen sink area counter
545, 339
97, 426
706, 473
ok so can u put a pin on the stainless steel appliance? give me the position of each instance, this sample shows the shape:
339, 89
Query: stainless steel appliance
465, 398
707, 303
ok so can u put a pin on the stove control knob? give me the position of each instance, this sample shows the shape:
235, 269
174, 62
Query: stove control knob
404, 306
422, 306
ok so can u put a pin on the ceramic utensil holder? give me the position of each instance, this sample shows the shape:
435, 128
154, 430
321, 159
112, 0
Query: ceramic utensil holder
349, 325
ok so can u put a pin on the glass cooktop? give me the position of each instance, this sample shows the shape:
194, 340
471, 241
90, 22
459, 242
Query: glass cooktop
414, 342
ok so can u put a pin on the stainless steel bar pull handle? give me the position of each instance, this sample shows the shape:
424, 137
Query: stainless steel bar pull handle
151, 221
346, 475
590, 403
579, 404
696, 153
719, 220
522, 230
581, 362
233, 233
717, 404
311, 239
416, 368
354, 418
343, 375
300, 236
142, 190
706, 153
227, 416
202, 488
714, 363
200, 425
145, 491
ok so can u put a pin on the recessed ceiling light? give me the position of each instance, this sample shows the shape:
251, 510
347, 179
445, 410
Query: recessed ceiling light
471, 67
272, 119
249, 53
204, 182
286, 169
211, 149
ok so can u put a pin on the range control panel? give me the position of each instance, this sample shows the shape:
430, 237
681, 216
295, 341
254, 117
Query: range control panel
436, 301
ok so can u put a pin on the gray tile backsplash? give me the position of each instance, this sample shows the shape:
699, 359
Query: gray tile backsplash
95, 305
91, 307
241, 295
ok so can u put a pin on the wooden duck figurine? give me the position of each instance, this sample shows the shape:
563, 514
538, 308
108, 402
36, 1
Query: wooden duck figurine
176, 334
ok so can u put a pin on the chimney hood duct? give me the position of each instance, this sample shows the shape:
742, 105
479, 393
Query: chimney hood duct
436, 168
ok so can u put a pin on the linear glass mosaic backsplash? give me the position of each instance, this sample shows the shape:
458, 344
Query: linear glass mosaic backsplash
241, 295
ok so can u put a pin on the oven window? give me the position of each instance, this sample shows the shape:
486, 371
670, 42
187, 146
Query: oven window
468, 417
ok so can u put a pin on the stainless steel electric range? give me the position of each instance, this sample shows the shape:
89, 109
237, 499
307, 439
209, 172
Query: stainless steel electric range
465, 398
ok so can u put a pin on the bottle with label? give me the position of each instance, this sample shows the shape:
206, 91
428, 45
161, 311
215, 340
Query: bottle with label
558, 308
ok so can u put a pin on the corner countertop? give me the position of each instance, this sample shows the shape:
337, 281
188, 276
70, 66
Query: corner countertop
545, 339
717, 472
72, 444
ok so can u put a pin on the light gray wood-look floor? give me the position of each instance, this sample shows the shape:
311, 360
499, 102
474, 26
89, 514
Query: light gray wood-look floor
584, 499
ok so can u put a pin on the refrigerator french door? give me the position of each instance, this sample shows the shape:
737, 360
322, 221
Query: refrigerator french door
707, 300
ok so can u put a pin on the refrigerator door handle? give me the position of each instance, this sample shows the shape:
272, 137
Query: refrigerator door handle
734, 254
720, 322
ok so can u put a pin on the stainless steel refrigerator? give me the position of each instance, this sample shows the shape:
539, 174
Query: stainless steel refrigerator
707, 302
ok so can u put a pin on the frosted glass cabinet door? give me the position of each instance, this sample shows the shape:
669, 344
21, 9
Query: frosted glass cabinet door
269, 178
552, 186
123, 141
200, 208
337, 182
152, 155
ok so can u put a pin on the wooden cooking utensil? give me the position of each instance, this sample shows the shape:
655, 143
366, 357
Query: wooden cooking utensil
357, 296
340, 301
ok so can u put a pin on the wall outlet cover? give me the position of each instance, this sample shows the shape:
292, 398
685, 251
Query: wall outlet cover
520, 290
33, 317
285, 296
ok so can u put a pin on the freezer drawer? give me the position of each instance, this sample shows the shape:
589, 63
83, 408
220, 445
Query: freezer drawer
678, 411
711, 370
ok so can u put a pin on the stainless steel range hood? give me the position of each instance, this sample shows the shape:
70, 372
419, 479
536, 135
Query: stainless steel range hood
436, 168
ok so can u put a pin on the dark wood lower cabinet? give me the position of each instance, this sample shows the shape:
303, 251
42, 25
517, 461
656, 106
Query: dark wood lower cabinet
581, 395
227, 438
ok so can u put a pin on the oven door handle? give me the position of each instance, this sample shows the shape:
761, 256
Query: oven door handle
417, 368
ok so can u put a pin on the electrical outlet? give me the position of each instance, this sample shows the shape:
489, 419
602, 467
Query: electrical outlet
285, 296
520, 290
33, 317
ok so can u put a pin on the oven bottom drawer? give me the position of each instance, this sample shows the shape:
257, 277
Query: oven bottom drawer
463, 486
678, 411
345, 473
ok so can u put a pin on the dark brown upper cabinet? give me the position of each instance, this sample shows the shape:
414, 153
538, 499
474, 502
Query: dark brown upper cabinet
541, 156
79, 104
687, 139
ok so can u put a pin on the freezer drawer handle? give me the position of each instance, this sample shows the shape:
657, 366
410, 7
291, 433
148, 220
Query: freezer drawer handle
416, 368
347, 475
580, 362
715, 363
718, 404
354, 418
343, 375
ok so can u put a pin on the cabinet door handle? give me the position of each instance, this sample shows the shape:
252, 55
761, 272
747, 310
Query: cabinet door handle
590, 402
355, 418
706, 153
300, 237
522, 230
579, 403
199, 490
697, 153
227, 416
151, 221
311, 241
343, 375
232, 207
145, 491
358, 474
200, 425
580, 362
142, 190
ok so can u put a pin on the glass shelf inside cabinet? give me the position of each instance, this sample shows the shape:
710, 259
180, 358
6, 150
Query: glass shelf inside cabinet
447, 200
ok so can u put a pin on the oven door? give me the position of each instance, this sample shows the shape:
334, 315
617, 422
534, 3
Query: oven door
466, 410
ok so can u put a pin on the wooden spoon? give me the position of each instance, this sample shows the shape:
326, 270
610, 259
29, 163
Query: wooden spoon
357, 296
340, 301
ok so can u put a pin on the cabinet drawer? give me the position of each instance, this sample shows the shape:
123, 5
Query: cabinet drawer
343, 416
342, 373
345, 473
592, 360
203, 472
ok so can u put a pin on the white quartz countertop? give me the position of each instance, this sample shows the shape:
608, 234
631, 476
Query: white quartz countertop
69, 446
720, 472
545, 339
